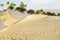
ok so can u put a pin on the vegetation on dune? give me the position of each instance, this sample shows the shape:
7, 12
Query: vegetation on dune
1, 5
31, 11
22, 8
39, 11
11, 6
51, 14
58, 14
17, 9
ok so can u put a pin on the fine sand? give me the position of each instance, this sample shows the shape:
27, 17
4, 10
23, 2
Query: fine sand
34, 27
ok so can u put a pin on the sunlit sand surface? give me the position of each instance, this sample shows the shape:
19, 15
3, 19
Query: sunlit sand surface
34, 27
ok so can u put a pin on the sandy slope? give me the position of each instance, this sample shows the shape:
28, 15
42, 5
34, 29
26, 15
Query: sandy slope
16, 13
9, 19
34, 27
2, 24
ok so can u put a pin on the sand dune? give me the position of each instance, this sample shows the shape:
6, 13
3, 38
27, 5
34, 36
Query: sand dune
9, 19
34, 27
12, 17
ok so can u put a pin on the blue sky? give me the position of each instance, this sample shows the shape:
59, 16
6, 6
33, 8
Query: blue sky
36, 4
